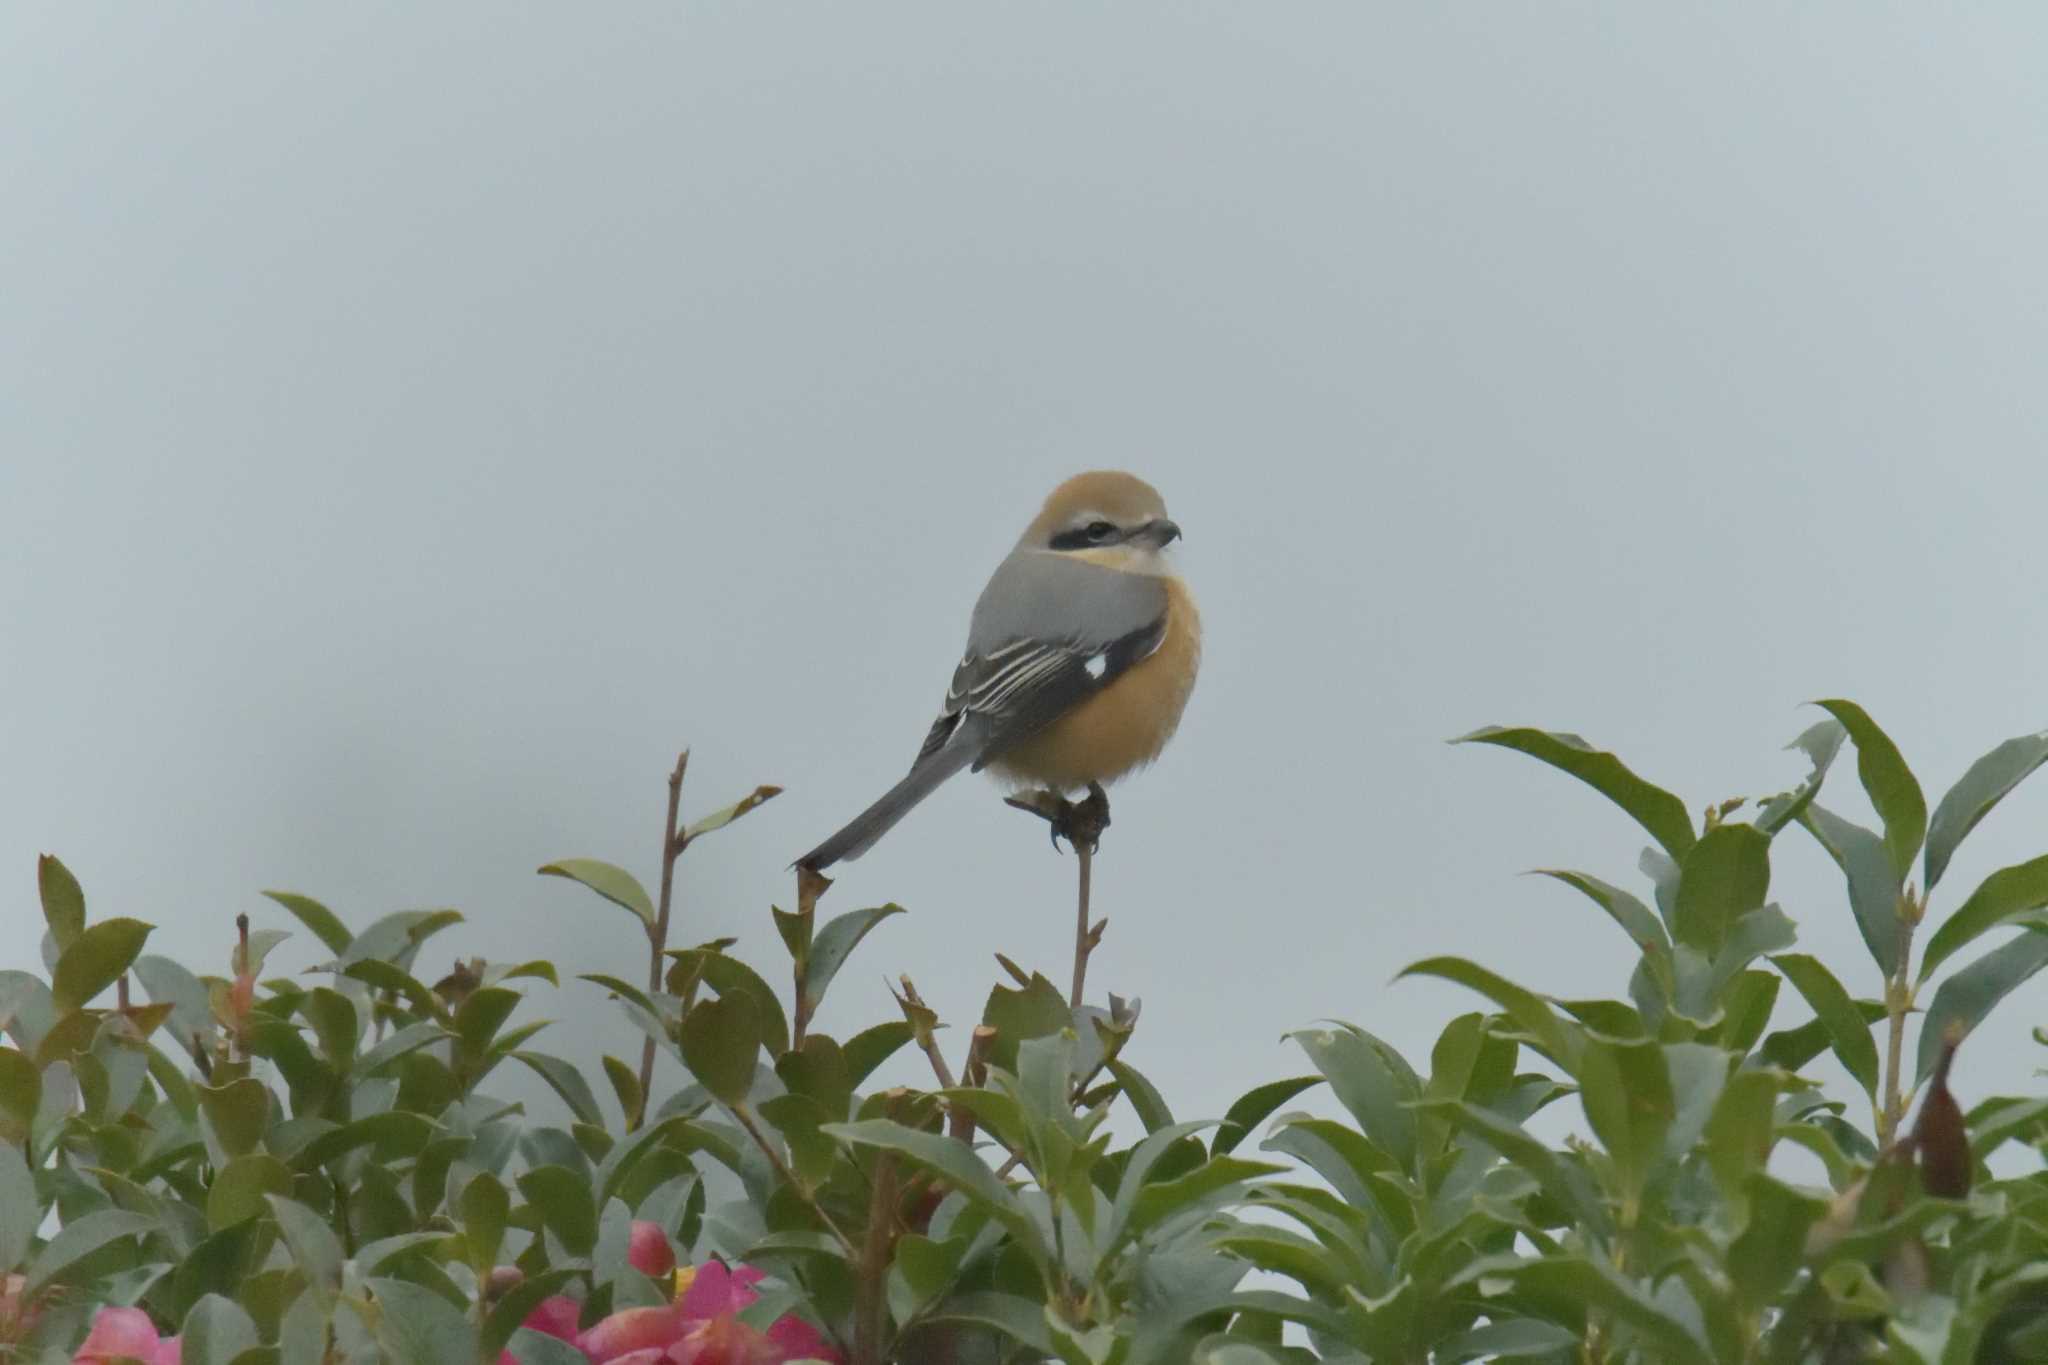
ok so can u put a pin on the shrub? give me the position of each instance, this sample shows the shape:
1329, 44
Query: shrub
249, 1169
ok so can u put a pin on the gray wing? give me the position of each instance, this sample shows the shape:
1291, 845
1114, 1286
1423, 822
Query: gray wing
1048, 633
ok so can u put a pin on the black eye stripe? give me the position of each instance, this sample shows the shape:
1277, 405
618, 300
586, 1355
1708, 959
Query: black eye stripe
1083, 537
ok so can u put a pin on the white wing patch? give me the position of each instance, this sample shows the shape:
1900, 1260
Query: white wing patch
1097, 665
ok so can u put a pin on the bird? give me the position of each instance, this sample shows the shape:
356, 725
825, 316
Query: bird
1081, 653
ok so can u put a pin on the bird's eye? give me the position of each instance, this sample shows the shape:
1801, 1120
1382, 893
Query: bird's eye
1100, 530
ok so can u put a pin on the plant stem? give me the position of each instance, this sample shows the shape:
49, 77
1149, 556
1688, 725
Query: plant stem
672, 843
1898, 1003
871, 1309
1084, 854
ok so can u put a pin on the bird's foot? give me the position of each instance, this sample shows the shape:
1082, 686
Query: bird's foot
1080, 823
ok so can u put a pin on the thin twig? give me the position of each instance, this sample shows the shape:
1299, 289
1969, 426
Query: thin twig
923, 1021
871, 1308
745, 1119
672, 843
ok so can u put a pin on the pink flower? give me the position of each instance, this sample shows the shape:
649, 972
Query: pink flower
125, 1332
700, 1328
648, 1250
712, 1289
633, 1330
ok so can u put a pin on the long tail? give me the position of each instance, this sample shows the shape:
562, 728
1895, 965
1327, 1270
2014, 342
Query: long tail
871, 824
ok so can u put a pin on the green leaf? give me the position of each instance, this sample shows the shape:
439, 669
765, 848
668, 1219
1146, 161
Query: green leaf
1625, 1089
722, 1045
63, 900
95, 960
1970, 994
1146, 1101
1508, 1339
1021, 1320
2003, 896
566, 1081
1874, 886
1723, 878
385, 976
1553, 1036
80, 1238
396, 1132
1989, 780
239, 1113
1893, 790
1253, 1108
519, 1301
614, 883
1637, 920
238, 1190
1366, 1083
321, 922
216, 1330
869, 1048
419, 1327
1847, 1032
625, 1088
730, 976
1161, 1200
1763, 1260
396, 938
953, 1161
1574, 1284
1038, 1010
21, 1213
21, 1089
481, 1014
1562, 1177
313, 1246
1740, 1130
1821, 741
719, 819
563, 1199
833, 943
1655, 809
483, 1207
333, 1017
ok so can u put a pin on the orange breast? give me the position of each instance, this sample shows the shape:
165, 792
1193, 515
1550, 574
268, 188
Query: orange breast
1125, 725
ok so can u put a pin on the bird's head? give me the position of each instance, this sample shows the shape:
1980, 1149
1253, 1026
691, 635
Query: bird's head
1107, 517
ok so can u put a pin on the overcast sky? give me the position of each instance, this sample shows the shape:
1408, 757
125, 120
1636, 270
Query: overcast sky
417, 423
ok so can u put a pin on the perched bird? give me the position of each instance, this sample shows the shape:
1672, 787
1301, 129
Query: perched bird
1080, 657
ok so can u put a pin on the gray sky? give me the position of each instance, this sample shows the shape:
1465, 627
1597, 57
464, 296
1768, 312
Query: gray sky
418, 422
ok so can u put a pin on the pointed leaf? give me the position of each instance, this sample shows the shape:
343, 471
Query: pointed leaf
1874, 885
564, 1201
95, 960
730, 976
1894, 791
313, 1246
419, 1327
1970, 994
721, 818
321, 922
1364, 1082
216, 1330
953, 1161
1724, 877
869, 1048
1558, 1040
721, 1044
2003, 896
1821, 741
1637, 920
1989, 780
829, 949
615, 884
80, 1238
63, 900
1847, 1032
21, 1213
1655, 809
1253, 1108
1145, 1098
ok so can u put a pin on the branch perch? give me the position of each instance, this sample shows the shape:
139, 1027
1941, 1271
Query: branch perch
1081, 824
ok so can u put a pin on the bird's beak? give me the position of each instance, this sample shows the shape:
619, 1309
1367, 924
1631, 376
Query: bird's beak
1162, 532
